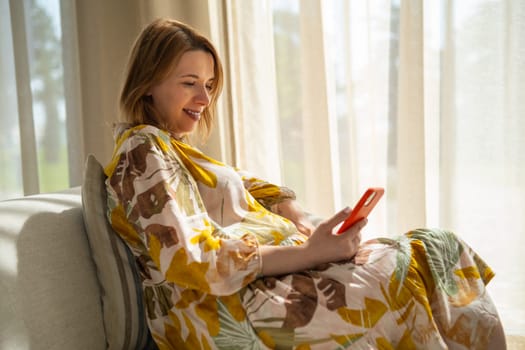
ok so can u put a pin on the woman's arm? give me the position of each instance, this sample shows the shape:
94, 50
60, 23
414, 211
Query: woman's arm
266, 193
290, 209
323, 246
156, 207
279, 200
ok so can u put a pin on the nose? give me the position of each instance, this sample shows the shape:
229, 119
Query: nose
203, 96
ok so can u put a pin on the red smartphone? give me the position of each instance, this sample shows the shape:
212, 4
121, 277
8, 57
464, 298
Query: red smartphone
365, 205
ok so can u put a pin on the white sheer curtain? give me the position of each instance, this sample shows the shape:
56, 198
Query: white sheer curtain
425, 98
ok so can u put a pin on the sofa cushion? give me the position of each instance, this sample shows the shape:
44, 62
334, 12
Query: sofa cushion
122, 304
49, 293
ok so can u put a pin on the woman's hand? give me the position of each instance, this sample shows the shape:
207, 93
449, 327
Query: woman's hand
291, 210
329, 246
321, 247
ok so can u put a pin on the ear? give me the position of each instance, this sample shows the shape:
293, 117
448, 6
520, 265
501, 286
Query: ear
149, 92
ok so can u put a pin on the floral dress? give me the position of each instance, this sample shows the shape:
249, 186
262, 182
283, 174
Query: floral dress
195, 226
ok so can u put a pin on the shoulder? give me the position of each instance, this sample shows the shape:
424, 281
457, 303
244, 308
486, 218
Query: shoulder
137, 143
143, 133
143, 137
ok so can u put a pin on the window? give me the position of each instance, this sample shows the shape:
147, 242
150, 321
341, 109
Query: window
34, 151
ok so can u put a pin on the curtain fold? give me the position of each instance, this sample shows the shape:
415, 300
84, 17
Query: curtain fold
410, 150
222, 142
320, 136
29, 162
72, 93
447, 116
253, 87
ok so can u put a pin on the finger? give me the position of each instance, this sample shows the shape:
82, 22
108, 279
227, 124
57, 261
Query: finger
358, 226
337, 217
305, 230
361, 223
308, 227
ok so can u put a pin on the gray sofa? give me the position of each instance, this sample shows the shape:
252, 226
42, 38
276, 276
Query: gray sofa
67, 281
50, 296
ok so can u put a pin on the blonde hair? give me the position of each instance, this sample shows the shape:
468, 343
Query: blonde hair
155, 53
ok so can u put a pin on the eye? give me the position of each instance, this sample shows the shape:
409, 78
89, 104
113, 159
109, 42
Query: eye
209, 87
188, 83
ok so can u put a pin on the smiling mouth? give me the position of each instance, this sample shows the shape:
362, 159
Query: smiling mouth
195, 115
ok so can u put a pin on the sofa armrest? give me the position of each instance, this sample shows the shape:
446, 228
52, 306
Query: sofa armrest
50, 292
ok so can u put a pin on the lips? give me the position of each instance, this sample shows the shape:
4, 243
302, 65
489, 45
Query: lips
194, 114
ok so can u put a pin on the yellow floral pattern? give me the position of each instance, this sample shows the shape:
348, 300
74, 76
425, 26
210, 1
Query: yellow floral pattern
195, 224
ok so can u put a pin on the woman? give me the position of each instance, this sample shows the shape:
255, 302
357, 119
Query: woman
230, 261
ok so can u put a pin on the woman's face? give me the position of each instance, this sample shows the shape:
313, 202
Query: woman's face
182, 97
